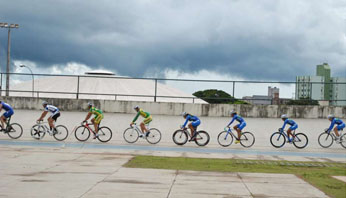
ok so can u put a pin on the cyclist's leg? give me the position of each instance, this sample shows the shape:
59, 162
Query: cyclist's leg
193, 127
146, 121
3, 120
4, 117
336, 131
96, 121
239, 128
53, 119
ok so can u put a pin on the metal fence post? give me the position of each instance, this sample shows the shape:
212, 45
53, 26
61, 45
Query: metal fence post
155, 90
233, 90
77, 95
1, 85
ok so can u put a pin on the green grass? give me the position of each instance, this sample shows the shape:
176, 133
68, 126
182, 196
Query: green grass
320, 177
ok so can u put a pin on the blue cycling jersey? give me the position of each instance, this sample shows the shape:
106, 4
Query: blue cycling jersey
335, 121
6, 106
237, 118
289, 122
190, 118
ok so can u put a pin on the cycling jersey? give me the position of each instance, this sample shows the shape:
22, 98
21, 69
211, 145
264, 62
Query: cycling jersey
52, 109
193, 119
290, 122
141, 113
237, 118
337, 122
96, 112
6, 106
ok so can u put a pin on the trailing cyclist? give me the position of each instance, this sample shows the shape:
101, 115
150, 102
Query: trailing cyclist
293, 126
239, 127
147, 119
9, 112
55, 113
96, 120
195, 122
340, 126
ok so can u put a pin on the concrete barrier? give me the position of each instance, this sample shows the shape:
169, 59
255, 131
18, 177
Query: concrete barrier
163, 108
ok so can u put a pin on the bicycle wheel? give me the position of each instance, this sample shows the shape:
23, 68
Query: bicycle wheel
61, 133
82, 133
180, 137
277, 140
325, 140
154, 136
104, 134
224, 138
202, 138
37, 132
301, 140
14, 131
131, 135
247, 139
343, 140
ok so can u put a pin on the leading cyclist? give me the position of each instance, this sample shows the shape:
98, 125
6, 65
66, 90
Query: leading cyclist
340, 126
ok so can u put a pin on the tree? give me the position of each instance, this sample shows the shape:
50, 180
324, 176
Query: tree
214, 96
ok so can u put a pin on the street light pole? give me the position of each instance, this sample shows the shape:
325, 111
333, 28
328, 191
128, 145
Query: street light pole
33, 79
9, 27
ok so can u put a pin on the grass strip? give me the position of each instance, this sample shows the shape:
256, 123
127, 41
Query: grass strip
318, 176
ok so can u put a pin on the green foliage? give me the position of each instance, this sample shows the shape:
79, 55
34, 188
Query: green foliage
303, 101
214, 96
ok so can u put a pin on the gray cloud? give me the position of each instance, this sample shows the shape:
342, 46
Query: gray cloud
273, 39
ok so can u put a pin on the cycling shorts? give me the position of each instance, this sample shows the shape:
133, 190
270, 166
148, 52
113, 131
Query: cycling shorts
196, 123
341, 126
241, 125
8, 114
294, 127
98, 118
147, 120
55, 116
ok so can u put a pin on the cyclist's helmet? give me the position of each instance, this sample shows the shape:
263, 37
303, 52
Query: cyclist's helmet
44, 103
233, 112
90, 104
330, 116
136, 107
184, 114
284, 116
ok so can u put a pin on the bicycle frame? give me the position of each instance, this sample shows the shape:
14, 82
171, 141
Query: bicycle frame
86, 125
229, 131
282, 132
135, 126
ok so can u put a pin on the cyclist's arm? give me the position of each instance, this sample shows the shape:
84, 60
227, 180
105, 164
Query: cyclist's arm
231, 121
44, 113
186, 121
88, 116
0, 107
136, 117
283, 126
331, 125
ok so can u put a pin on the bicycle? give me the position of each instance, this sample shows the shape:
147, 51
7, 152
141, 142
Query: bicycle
13, 130
82, 133
180, 137
131, 134
39, 130
278, 139
326, 139
225, 138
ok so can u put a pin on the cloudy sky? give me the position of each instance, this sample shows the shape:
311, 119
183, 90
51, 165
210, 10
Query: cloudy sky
232, 39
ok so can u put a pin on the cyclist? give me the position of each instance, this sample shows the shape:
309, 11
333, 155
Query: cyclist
9, 112
147, 119
55, 113
293, 127
195, 122
96, 120
340, 126
239, 126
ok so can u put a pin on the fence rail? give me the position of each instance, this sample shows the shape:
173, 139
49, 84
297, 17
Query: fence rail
154, 96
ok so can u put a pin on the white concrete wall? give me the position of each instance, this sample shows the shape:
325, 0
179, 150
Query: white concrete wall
161, 108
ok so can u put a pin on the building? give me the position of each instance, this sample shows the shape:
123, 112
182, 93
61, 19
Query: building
322, 87
273, 98
258, 99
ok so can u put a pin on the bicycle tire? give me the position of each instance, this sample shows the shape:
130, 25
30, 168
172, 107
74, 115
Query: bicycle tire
15, 127
152, 134
300, 137
129, 133
343, 140
80, 131
225, 139
247, 137
275, 140
325, 140
182, 135
39, 133
60, 130
199, 138
103, 131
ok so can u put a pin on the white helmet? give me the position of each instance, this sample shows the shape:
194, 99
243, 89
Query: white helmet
232, 112
90, 104
330, 116
44, 103
284, 116
184, 114
136, 107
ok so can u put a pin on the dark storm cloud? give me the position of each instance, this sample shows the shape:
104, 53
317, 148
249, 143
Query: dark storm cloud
267, 40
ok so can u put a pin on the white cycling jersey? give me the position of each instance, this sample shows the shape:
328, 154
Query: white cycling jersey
52, 109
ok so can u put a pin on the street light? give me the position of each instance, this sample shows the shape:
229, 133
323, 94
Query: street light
33, 79
9, 27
